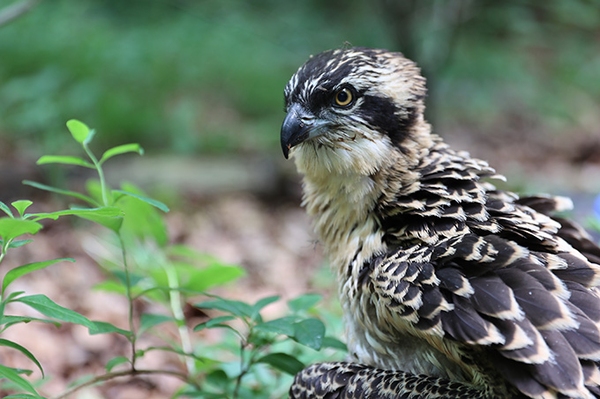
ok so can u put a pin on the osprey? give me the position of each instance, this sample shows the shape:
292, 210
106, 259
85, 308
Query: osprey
450, 288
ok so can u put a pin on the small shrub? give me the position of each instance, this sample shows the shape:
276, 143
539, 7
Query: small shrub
261, 355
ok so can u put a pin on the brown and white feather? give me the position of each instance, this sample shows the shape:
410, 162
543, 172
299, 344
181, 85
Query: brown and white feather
440, 274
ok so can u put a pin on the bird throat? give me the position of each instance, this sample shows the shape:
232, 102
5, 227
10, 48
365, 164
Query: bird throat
341, 194
341, 207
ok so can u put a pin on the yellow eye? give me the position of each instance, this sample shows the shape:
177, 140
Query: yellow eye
343, 97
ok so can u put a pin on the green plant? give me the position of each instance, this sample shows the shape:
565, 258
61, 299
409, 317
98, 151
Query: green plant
255, 357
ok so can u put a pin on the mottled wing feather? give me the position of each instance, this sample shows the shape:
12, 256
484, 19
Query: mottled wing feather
506, 277
520, 310
579, 238
355, 381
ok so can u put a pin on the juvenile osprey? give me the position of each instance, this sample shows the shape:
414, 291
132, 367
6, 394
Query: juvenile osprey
450, 288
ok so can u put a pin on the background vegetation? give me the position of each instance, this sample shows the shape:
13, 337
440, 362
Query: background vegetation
198, 83
207, 76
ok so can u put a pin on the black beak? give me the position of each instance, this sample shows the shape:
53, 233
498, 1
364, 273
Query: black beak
294, 129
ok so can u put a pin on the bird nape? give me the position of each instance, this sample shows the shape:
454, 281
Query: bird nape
450, 288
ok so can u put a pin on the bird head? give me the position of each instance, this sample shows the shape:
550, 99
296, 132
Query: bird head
348, 108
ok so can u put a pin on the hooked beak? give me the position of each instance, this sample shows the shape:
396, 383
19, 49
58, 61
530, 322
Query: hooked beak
295, 129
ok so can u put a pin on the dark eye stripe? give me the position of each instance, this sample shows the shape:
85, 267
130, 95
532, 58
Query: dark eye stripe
384, 115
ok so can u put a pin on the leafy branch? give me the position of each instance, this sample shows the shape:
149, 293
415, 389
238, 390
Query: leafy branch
152, 270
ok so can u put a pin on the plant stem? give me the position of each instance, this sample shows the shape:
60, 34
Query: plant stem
244, 366
175, 301
3, 252
243, 370
173, 350
130, 300
117, 374
103, 185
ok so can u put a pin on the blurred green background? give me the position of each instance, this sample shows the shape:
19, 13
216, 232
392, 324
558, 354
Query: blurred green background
205, 77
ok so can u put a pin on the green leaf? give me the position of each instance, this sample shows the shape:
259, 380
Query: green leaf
149, 320
64, 160
115, 361
107, 216
142, 220
261, 303
68, 193
21, 396
94, 189
110, 286
236, 308
206, 363
202, 279
4, 208
260, 340
331, 342
158, 294
22, 371
303, 302
282, 361
310, 332
218, 378
23, 350
185, 251
103, 327
11, 296
20, 271
9, 320
51, 309
121, 149
12, 375
11, 228
118, 287
214, 322
193, 393
134, 278
79, 130
19, 243
149, 201
283, 325
21, 206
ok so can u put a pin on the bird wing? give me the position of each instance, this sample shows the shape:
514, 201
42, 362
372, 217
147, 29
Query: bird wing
491, 271
524, 294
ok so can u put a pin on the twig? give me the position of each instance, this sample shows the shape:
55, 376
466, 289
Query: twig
245, 366
117, 374
175, 301
14, 11
131, 309
243, 371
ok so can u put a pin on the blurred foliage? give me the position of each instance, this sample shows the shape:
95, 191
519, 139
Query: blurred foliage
533, 60
186, 77
207, 76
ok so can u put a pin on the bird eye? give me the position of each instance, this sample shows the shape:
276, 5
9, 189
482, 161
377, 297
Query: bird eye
343, 97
